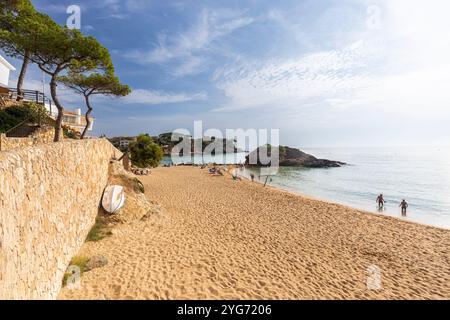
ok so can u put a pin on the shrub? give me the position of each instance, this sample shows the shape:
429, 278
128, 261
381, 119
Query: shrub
12, 116
36, 112
145, 153
100, 230
70, 133
78, 261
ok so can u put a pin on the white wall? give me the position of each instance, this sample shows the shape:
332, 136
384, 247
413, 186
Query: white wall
5, 68
4, 75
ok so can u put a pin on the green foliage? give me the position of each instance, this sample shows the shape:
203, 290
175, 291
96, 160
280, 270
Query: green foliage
100, 230
95, 83
69, 133
80, 262
52, 47
165, 139
58, 49
35, 37
36, 112
131, 183
14, 20
12, 116
145, 153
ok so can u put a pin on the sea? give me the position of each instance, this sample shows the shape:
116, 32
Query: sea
420, 175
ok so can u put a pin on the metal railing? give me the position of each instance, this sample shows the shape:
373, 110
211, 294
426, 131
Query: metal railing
32, 95
40, 98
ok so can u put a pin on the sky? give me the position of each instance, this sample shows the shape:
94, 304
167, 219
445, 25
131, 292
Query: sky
329, 73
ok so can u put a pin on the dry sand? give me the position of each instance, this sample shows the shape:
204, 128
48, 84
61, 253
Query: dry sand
224, 239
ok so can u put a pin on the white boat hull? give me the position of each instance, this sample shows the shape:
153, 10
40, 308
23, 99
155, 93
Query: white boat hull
113, 199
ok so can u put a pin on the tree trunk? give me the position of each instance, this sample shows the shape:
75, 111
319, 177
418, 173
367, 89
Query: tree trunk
23, 71
88, 120
59, 118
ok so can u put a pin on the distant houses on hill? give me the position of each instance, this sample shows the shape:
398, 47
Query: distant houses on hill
165, 141
122, 143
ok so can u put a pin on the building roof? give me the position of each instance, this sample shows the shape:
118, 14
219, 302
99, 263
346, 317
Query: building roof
6, 64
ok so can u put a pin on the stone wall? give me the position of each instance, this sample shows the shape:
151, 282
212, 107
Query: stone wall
49, 198
7, 143
42, 135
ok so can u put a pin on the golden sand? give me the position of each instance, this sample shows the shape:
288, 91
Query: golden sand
224, 239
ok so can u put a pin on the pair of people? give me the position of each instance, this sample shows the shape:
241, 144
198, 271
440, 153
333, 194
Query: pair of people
404, 205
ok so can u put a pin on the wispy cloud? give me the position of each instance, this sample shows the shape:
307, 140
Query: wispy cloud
119, 9
287, 83
396, 69
186, 48
153, 97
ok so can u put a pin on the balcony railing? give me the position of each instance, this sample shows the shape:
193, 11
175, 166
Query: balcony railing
33, 96
69, 118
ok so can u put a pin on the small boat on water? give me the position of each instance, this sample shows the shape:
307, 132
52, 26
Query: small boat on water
113, 198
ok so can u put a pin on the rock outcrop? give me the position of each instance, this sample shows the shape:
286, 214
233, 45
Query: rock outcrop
291, 157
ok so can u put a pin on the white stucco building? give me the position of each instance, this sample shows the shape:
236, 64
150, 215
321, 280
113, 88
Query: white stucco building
124, 144
5, 69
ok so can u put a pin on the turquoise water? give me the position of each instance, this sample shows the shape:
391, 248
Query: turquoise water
419, 175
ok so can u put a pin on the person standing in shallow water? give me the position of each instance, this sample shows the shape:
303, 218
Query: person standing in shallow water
380, 201
404, 205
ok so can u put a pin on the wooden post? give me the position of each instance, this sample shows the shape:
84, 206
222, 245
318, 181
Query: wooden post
126, 162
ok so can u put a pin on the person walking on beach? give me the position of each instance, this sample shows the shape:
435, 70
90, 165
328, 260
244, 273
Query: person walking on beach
380, 201
252, 176
404, 205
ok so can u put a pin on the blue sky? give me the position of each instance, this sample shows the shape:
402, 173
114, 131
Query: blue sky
326, 73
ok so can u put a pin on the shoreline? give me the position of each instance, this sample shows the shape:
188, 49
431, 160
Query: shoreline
223, 239
297, 193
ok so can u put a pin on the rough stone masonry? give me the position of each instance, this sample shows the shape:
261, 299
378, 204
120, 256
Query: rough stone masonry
49, 198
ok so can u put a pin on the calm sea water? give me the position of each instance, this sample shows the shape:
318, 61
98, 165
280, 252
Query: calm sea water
419, 175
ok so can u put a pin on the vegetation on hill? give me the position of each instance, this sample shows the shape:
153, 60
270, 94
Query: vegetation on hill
208, 143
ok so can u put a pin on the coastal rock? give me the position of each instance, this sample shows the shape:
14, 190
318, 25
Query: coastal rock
96, 262
291, 157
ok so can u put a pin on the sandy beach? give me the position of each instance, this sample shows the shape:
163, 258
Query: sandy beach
222, 239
